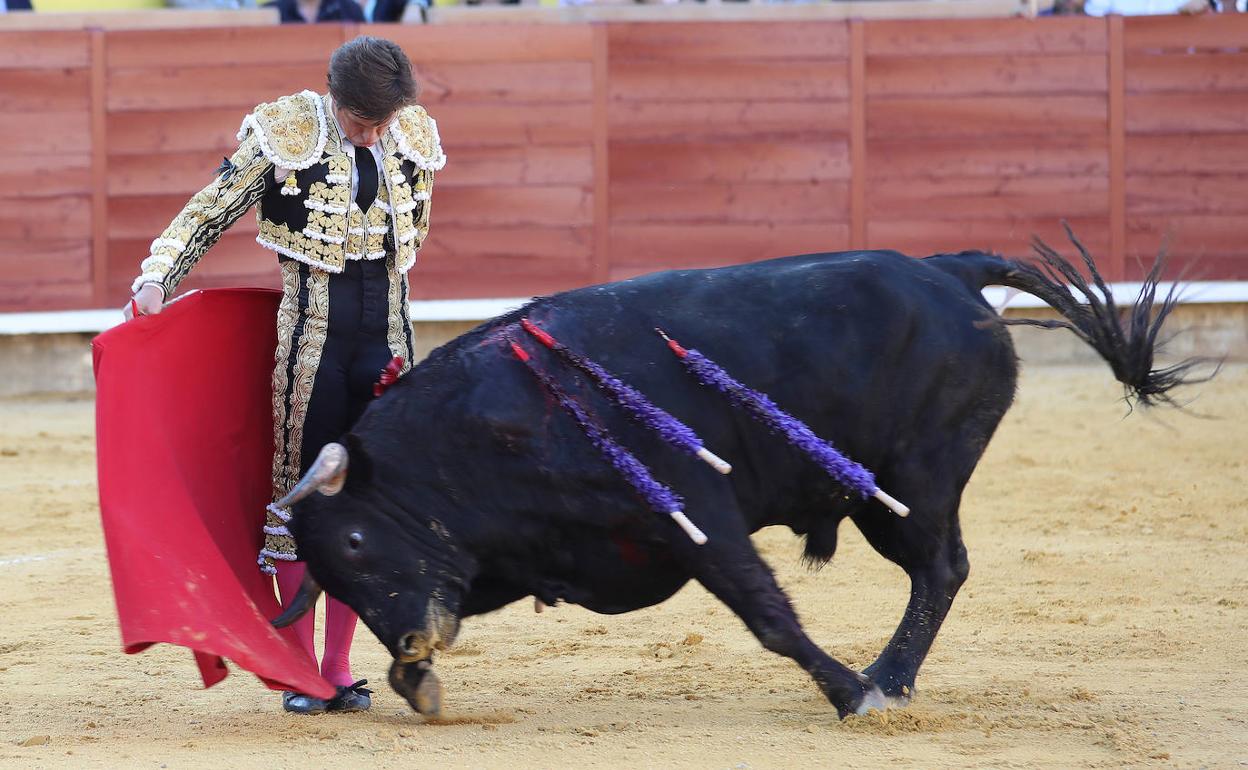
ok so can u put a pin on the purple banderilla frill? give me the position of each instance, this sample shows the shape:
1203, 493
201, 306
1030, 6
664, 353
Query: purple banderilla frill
763, 409
656, 494
640, 408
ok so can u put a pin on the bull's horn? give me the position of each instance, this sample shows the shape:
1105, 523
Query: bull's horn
327, 475
305, 599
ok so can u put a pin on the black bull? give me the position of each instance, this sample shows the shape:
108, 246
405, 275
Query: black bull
469, 487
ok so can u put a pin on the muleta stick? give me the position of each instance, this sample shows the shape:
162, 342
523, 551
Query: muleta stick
658, 496
763, 409
640, 408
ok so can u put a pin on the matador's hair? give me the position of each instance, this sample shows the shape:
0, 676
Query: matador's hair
371, 77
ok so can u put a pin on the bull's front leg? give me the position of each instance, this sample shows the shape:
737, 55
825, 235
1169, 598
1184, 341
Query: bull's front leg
730, 568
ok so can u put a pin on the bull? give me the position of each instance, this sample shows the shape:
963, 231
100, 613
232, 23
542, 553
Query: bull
465, 487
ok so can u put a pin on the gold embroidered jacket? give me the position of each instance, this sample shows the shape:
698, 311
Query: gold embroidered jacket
309, 216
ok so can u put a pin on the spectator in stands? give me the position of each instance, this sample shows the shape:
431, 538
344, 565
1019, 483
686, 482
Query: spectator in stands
388, 10
211, 5
1145, 7
302, 11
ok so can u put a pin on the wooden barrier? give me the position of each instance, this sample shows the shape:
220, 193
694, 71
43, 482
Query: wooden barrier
588, 152
1186, 136
986, 132
46, 182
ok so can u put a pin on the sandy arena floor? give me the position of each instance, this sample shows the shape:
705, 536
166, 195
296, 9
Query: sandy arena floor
1105, 624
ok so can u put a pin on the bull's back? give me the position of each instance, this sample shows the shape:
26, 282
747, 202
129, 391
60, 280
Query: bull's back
846, 308
858, 344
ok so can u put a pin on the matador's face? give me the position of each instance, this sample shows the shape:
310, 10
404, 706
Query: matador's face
360, 131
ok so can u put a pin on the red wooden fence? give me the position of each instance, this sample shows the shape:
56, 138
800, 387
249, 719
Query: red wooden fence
587, 152
1185, 123
46, 179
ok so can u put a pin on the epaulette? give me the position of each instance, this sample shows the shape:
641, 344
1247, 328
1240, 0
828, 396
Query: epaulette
417, 136
292, 130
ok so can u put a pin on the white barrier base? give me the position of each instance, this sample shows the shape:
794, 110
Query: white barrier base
437, 310
95, 321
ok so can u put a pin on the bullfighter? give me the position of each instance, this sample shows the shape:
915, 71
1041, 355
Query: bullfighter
341, 182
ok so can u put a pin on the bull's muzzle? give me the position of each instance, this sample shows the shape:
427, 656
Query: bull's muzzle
411, 674
327, 475
441, 628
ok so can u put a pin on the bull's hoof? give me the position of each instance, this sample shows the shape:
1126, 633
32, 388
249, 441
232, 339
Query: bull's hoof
897, 687
897, 701
872, 700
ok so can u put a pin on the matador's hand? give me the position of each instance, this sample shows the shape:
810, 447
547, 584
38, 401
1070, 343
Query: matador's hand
149, 300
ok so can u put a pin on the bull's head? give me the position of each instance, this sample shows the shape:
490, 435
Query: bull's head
400, 570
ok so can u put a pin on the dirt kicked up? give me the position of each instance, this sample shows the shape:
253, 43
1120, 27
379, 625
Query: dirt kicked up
1104, 624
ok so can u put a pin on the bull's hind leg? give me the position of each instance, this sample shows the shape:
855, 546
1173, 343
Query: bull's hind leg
928, 546
729, 567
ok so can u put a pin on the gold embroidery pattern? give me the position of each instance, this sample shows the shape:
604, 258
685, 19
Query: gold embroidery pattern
366, 234
417, 136
375, 238
355, 232
204, 218
400, 199
291, 131
322, 242
307, 361
405, 310
287, 318
417, 225
327, 207
325, 198
326, 227
297, 246
282, 544
339, 174
399, 330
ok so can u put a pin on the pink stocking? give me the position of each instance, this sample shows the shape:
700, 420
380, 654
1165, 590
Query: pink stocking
339, 630
289, 576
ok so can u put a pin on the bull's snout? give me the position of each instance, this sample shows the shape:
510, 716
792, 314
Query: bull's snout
441, 628
415, 645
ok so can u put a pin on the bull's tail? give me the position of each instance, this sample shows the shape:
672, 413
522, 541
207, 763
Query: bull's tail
1126, 338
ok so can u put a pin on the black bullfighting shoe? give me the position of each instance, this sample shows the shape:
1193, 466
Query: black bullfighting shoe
354, 697
298, 703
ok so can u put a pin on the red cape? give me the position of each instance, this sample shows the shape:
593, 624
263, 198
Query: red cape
184, 439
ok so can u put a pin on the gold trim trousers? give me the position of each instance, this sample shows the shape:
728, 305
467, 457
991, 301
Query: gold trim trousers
336, 332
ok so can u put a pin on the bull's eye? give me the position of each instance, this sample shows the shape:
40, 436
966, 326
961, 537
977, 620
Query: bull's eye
354, 541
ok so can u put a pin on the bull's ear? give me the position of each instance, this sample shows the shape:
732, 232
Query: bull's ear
360, 473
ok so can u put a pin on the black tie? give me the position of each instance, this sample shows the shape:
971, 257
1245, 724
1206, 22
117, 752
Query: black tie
366, 165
